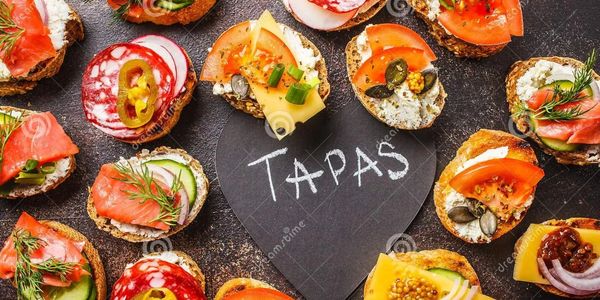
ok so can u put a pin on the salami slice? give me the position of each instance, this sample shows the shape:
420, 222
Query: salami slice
155, 273
339, 6
100, 88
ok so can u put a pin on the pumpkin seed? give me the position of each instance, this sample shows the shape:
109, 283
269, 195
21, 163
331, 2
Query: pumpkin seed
240, 86
461, 214
430, 77
379, 92
395, 73
488, 223
476, 208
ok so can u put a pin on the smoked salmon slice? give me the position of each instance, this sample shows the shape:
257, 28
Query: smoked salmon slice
39, 137
54, 246
34, 44
112, 200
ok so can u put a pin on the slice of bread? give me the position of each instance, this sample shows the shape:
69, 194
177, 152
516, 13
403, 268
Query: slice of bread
431, 259
64, 168
426, 117
202, 192
583, 223
477, 144
88, 250
452, 43
46, 69
357, 20
239, 284
189, 261
184, 16
251, 106
586, 154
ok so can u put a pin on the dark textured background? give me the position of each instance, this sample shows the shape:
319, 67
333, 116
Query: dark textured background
216, 239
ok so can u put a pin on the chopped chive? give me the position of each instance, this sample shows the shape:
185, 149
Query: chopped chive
297, 93
31, 165
295, 72
276, 75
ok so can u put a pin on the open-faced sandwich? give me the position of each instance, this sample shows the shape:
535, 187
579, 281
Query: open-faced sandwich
487, 189
561, 257
554, 100
249, 289
161, 12
333, 15
50, 260
136, 91
148, 197
430, 274
34, 41
390, 68
267, 69
36, 155
169, 275
471, 28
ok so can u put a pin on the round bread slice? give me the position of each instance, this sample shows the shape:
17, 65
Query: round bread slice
459, 47
586, 154
239, 284
64, 168
430, 259
251, 106
478, 143
73, 33
427, 117
357, 20
189, 261
88, 250
583, 223
202, 192
184, 16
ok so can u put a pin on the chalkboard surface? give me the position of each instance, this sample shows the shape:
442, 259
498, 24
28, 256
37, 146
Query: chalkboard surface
325, 200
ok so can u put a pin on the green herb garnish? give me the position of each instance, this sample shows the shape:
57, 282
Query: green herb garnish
6, 130
10, 32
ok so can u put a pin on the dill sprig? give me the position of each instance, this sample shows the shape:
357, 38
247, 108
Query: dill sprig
584, 76
29, 276
147, 189
119, 13
10, 32
8, 125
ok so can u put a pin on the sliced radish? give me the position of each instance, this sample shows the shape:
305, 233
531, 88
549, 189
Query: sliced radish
41, 7
173, 55
167, 178
317, 17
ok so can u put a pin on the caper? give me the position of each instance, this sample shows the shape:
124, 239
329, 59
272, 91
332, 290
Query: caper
488, 223
461, 215
240, 86
430, 77
396, 73
379, 92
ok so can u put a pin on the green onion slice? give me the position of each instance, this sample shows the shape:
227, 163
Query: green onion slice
31, 165
295, 72
48, 168
298, 92
276, 75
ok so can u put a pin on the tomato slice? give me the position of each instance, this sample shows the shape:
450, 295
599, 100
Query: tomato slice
503, 185
384, 36
258, 294
372, 71
230, 43
514, 15
485, 30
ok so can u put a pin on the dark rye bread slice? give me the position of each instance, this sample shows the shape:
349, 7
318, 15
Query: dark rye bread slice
586, 154
89, 251
354, 62
459, 47
195, 270
202, 192
583, 223
23, 191
430, 259
46, 69
183, 16
477, 144
251, 106
239, 284
357, 20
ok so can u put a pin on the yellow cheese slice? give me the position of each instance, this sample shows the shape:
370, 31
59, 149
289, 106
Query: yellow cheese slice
388, 270
526, 267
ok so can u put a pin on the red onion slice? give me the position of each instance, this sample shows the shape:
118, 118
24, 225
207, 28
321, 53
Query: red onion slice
41, 7
592, 284
462, 291
455, 288
557, 283
472, 293
592, 272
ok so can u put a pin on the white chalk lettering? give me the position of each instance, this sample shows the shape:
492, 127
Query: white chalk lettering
308, 177
336, 173
266, 158
394, 175
371, 165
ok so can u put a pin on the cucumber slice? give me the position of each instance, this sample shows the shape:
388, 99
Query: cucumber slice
447, 273
81, 290
553, 144
6, 118
173, 5
566, 85
187, 176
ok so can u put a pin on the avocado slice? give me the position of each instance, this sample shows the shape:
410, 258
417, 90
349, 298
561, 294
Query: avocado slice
173, 5
447, 273
6, 118
81, 290
566, 85
185, 172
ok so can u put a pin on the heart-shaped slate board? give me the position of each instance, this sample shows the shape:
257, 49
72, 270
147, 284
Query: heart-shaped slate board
323, 202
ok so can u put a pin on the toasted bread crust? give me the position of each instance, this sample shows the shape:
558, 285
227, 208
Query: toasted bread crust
459, 47
357, 20
251, 106
584, 223
89, 251
478, 143
580, 157
354, 62
196, 271
184, 16
23, 192
105, 224
74, 32
239, 284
